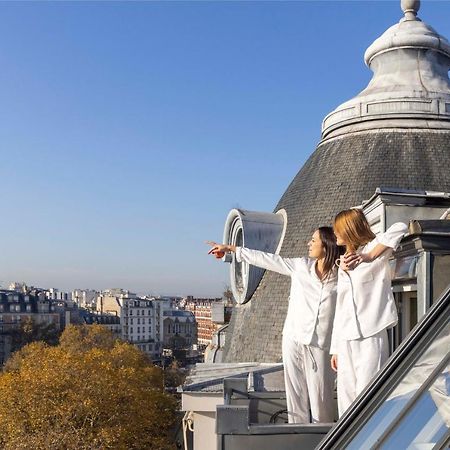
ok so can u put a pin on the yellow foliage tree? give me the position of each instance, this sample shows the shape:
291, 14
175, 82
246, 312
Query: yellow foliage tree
90, 392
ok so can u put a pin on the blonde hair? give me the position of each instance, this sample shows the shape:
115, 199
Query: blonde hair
353, 227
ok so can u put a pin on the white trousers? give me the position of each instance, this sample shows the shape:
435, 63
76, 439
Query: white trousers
358, 362
309, 382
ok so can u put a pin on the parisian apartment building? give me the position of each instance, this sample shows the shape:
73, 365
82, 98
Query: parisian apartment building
140, 318
16, 307
150, 323
210, 314
180, 329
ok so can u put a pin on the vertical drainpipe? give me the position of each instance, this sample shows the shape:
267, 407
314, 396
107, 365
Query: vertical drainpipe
423, 284
383, 218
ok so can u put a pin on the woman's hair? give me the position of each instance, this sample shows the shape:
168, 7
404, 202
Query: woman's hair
353, 227
332, 250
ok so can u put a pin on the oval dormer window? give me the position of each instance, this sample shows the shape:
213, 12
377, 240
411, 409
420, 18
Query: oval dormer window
256, 230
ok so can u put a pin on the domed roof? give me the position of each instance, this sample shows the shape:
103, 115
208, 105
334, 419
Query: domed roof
410, 62
395, 133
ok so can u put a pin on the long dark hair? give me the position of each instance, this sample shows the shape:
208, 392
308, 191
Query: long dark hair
332, 250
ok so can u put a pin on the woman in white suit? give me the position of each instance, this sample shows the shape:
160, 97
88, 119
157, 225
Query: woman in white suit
365, 306
308, 377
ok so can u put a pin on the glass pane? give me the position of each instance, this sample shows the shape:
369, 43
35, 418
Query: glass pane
238, 272
428, 420
377, 424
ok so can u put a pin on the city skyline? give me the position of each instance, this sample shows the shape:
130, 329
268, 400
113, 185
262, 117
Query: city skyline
129, 130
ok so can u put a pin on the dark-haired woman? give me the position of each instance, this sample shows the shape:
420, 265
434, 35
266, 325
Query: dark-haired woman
307, 329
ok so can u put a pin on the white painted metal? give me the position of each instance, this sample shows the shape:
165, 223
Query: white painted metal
256, 230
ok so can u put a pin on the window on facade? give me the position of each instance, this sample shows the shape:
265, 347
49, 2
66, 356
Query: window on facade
138, 312
131, 330
139, 320
139, 329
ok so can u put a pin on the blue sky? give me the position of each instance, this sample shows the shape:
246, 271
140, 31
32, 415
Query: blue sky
128, 130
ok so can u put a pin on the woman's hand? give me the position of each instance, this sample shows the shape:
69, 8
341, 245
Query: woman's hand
352, 259
334, 362
342, 264
219, 250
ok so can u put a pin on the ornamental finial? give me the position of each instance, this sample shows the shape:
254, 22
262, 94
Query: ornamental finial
410, 8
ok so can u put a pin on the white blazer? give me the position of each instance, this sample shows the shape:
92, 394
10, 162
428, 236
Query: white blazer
365, 303
312, 302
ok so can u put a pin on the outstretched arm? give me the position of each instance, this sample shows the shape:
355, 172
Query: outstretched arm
269, 261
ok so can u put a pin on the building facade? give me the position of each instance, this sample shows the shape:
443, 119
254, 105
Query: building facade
140, 318
210, 315
180, 329
18, 307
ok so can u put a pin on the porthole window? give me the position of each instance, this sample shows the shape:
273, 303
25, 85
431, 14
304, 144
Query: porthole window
255, 230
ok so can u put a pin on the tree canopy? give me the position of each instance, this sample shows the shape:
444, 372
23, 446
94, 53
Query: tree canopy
90, 392
30, 331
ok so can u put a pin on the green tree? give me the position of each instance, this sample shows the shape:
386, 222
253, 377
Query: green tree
90, 392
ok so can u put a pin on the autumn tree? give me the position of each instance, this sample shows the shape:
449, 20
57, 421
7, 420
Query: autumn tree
30, 331
228, 293
90, 392
174, 376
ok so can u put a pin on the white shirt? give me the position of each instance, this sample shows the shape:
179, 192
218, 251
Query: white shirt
311, 303
365, 303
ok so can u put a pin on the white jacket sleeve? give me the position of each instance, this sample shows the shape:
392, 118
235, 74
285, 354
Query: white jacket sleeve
393, 235
269, 261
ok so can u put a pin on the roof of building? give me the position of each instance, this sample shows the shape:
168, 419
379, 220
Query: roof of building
177, 313
208, 377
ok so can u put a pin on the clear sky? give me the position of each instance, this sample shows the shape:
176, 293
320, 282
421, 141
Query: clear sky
128, 130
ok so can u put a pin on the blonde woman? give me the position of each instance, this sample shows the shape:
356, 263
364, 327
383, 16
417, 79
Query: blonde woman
365, 306
308, 377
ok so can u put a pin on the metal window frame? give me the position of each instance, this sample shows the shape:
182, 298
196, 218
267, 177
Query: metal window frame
411, 403
382, 385
444, 442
